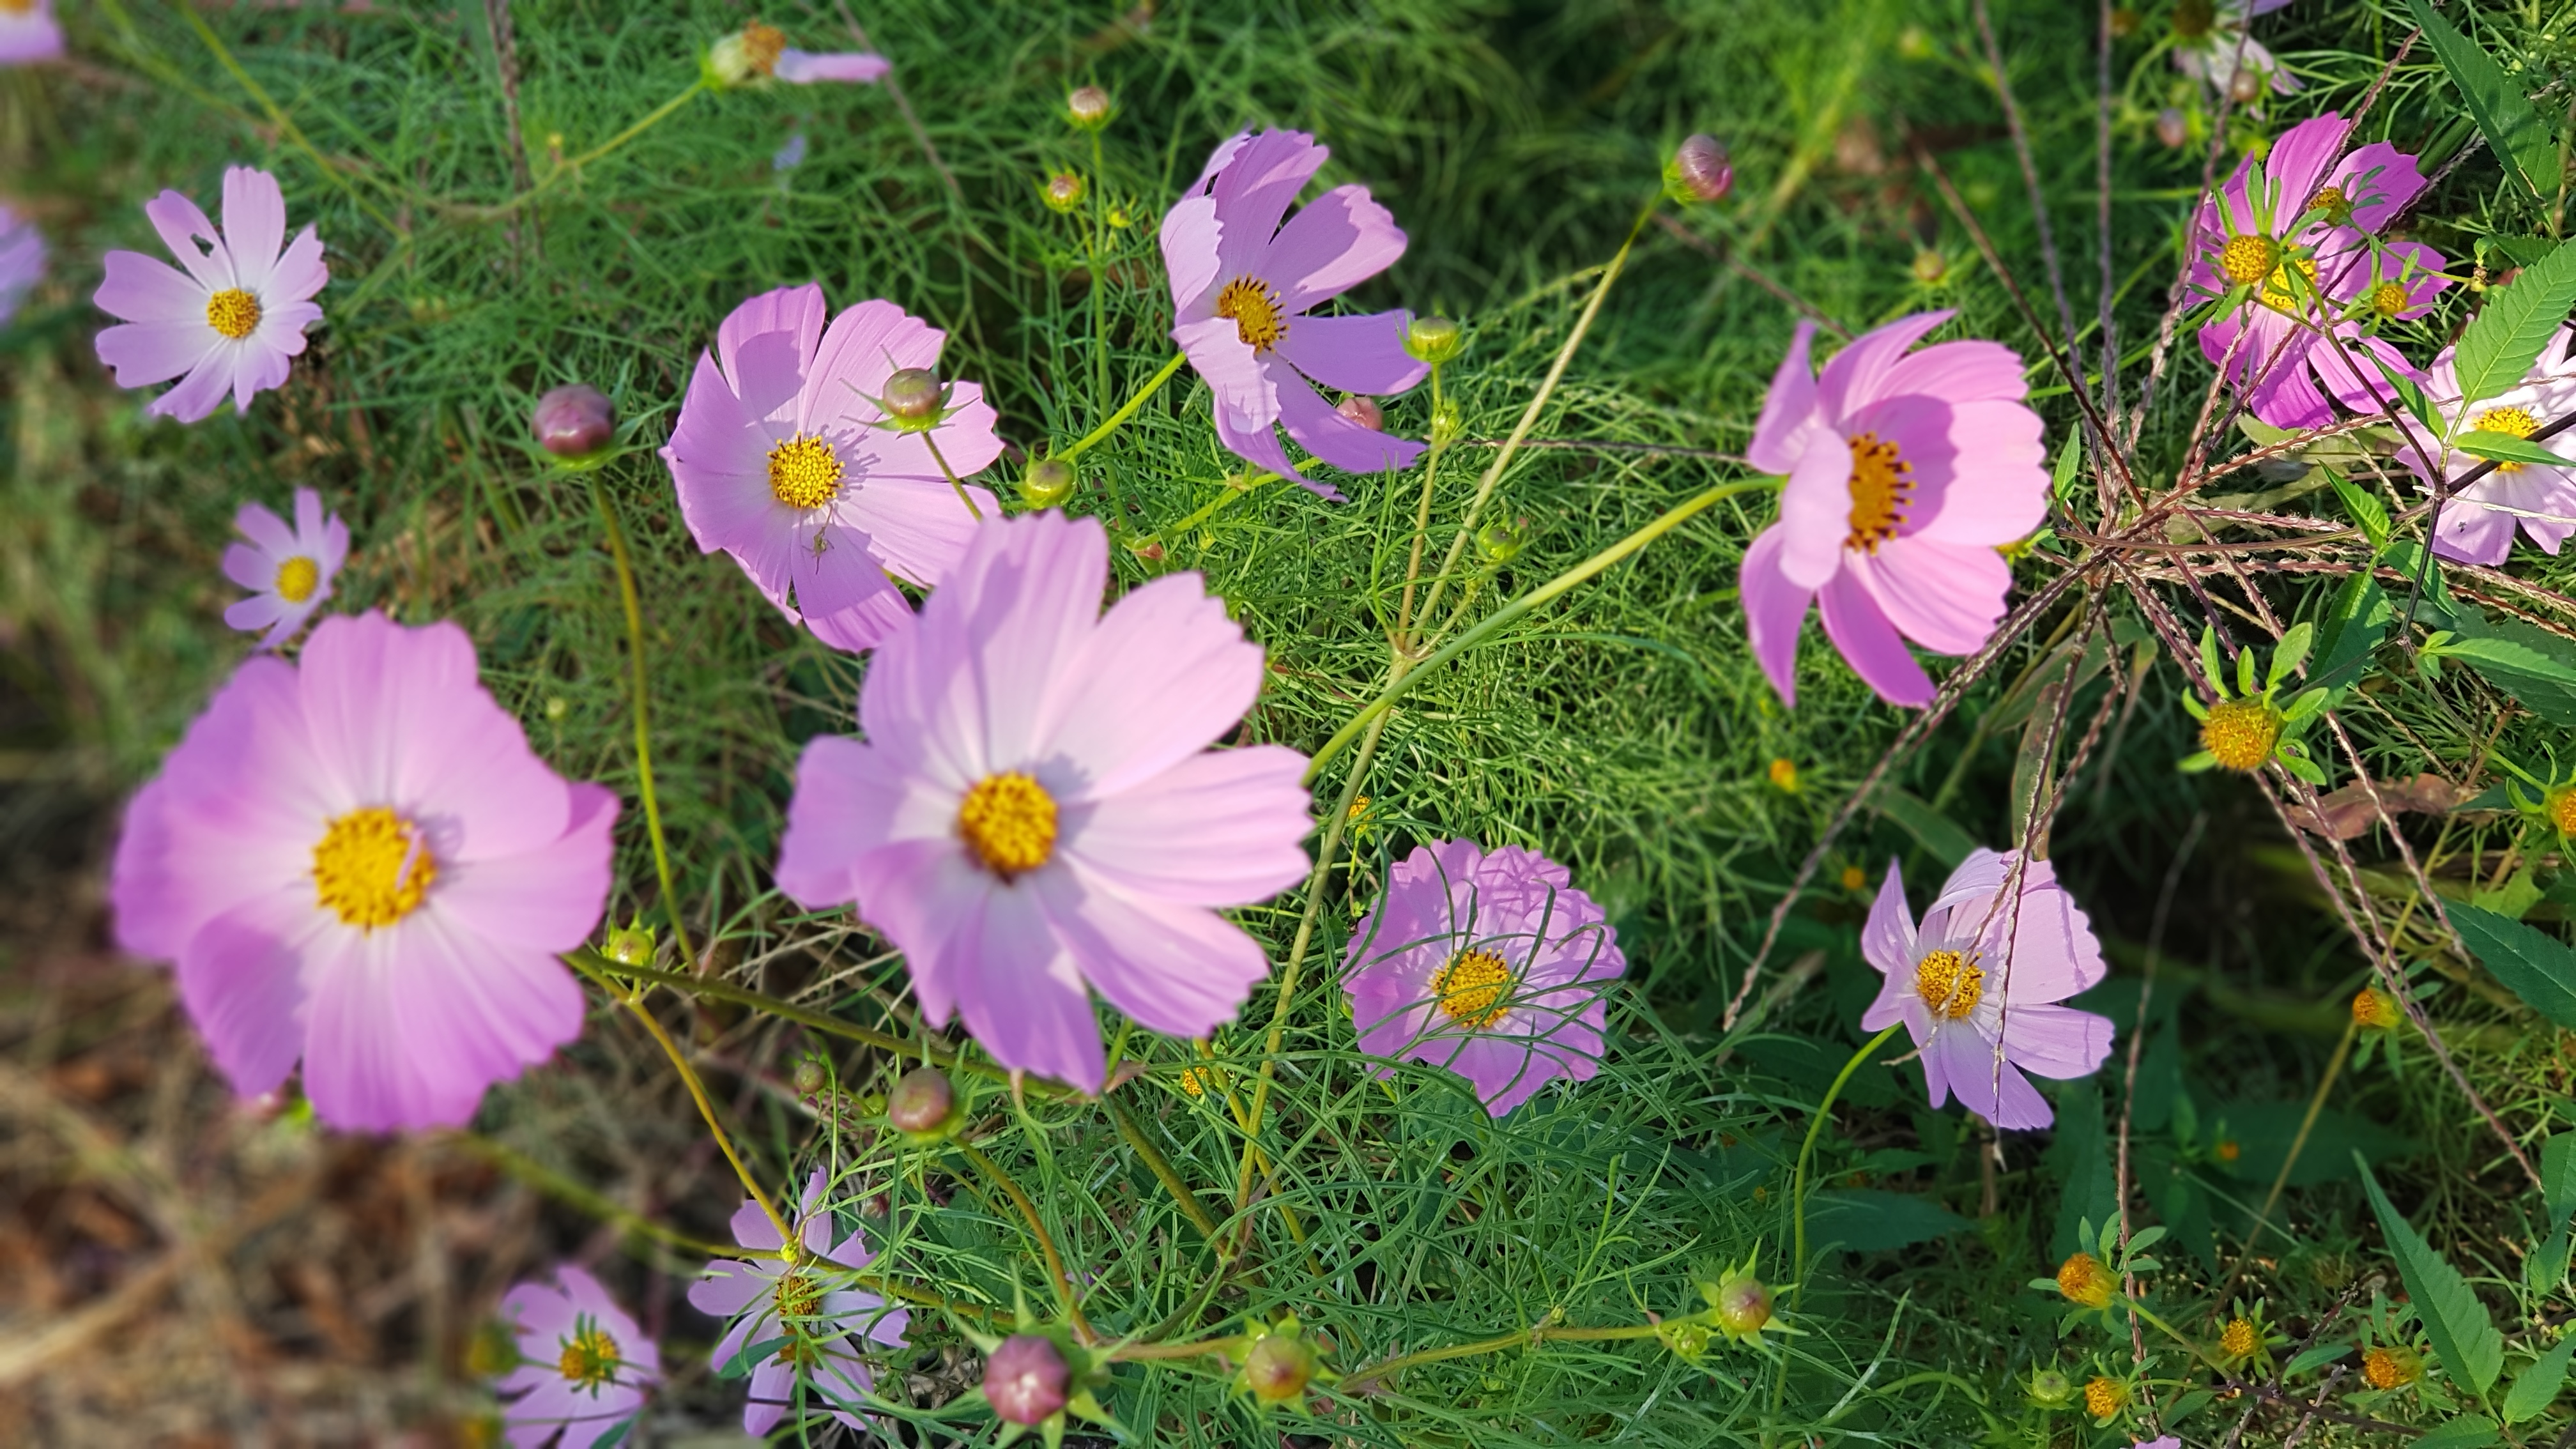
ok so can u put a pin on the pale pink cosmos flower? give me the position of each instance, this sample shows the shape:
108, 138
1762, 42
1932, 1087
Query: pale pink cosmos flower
1490, 964
22, 261
29, 32
1035, 810
761, 52
2477, 523
356, 860
287, 570
2224, 58
801, 1318
2301, 242
784, 460
1242, 290
1977, 985
585, 1367
234, 322
1905, 474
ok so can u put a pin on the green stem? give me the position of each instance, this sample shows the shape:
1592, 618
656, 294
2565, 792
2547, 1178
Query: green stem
1148, 1352
1127, 410
1161, 1167
1807, 1150
587, 960
652, 118
1545, 593
1230, 494
1421, 522
2307, 1124
1037, 1227
1527, 1337
1099, 279
951, 475
643, 727
563, 1189
2167, 1329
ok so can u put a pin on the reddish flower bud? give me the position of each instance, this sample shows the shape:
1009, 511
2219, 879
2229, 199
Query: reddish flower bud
1278, 1367
1743, 1305
1701, 170
1363, 411
921, 1102
573, 421
912, 394
1025, 1379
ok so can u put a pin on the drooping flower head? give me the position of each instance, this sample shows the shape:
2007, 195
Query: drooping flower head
2477, 522
1490, 964
584, 1367
760, 52
1243, 288
785, 460
1906, 471
1977, 985
29, 32
357, 861
805, 1319
2293, 233
22, 261
2211, 46
287, 570
234, 321
1035, 813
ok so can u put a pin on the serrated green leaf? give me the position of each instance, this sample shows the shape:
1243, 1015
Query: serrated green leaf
2464, 1433
2532, 964
2507, 335
2314, 1359
2506, 448
2538, 682
2537, 1386
2558, 1176
2462, 1333
2409, 393
2520, 251
2526, 144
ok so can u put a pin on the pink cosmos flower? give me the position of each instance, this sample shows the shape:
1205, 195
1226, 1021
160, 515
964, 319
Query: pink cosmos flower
757, 52
797, 67
1977, 985
1905, 475
357, 860
784, 460
799, 1321
29, 32
2477, 522
1242, 286
1491, 965
2306, 276
1035, 809
2224, 58
235, 321
288, 571
585, 1367
22, 261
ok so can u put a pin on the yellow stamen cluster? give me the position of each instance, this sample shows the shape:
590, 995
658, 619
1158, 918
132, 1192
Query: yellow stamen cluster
2277, 288
297, 578
2513, 423
372, 868
762, 45
1196, 1080
2238, 1339
1882, 492
1784, 774
2388, 299
1008, 824
589, 1358
2084, 1280
2331, 201
1253, 306
2375, 1010
2389, 1368
2249, 259
2240, 733
2229, 1149
1854, 878
1949, 983
233, 313
2105, 1397
1471, 987
804, 472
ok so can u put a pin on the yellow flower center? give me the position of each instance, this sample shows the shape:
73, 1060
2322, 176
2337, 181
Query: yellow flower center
2105, 1397
1008, 824
1882, 489
2237, 1339
762, 45
1254, 308
1197, 1080
2240, 733
2277, 293
1784, 774
1854, 878
804, 472
1949, 983
373, 868
2229, 1149
2083, 1280
17, 7
2249, 258
297, 578
2388, 299
233, 312
2331, 201
2513, 423
798, 1296
2388, 1368
2194, 18
2374, 1008
2562, 809
589, 1358
1471, 987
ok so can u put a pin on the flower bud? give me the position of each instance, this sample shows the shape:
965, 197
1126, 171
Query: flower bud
1063, 191
2246, 86
1432, 339
1088, 107
1278, 1367
912, 395
2050, 1389
1502, 542
1743, 1305
808, 1077
630, 945
2084, 1281
1930, 268
2124, 22
573, 421
1363, 411
1446, 424
1700, 171
2376, 1010
748, 54
2391, 1368
921, 1102
2172, 128
492, 1350
1047, 483
1025, 1379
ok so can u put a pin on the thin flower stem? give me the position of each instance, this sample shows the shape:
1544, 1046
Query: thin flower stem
1161, 1167
1125, 411
2167, 1329
277, 117
1099, 281
1421, 522
1046, 1243
951, 475
2307, 1125
1548, 592
643, 726
588, 960
652, 118
1529, 1337
1230, 494
563, 1189
1148, 1352
1807, 1150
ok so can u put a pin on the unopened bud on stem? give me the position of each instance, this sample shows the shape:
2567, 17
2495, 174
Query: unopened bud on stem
921, 1102
1432, 339
1047, 484
1363, 411
1278, 1367
1088, 107
573, 421
1063, 191
1700, 171
1025, 1379
912, 395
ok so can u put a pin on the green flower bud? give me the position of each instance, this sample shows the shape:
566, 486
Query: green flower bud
913, 395
630, 945
1446, 424
1278, 1367
1047, 483
2050, 1389
1434, 340
1742, 1304
808, 1077
1503, 542
1088, 108
1063, 191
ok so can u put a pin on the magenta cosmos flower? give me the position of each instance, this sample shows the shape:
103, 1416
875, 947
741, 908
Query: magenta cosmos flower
1242, 288
2295, 230
287, 570
234, 321
1905, 474
585, 1367
784, 460
29, 32
357, 860
1035, 809
1491, 965
1978, 985
797, 1317
2477, 522
22, 261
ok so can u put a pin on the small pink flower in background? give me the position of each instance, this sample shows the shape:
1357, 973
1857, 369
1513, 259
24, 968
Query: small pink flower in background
1491, 965
761, 52
357, 861
1242, 287
768, 1301
2167, 1441
288, 571
1906, 472
797, 67
2477, 522
585, 1369
2224, 58
1977, 985
784, 460
29, 32
2307, 278
234, 321
22, 261
1035, 810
